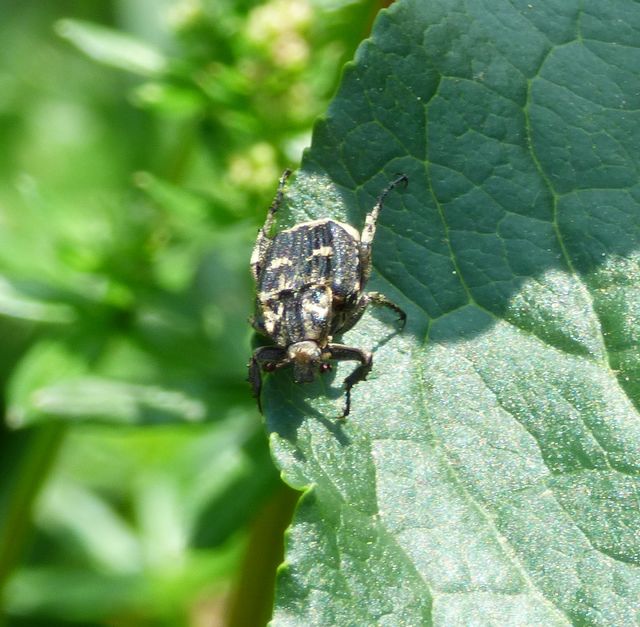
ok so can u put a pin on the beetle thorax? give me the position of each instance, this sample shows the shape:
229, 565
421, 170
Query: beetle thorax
304, 352
305, 357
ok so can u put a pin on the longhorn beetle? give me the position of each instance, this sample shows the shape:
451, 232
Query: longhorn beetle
310, 282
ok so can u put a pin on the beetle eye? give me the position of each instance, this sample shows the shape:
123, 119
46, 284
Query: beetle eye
325, 368
269, 366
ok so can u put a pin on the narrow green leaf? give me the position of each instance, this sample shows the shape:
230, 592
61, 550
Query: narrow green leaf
25, 459
112, 47
53, 382
105, 400
102, 534
30, 302
488, 473
44, 364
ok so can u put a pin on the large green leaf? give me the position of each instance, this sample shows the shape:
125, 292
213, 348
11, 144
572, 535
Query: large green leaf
488, 473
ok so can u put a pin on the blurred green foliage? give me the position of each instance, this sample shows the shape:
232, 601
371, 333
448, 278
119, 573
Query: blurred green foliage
141, 144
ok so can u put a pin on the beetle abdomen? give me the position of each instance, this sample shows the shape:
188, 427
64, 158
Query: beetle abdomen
322, 253
295, 316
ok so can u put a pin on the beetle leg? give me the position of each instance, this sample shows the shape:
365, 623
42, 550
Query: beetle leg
260, 357
376, 298
340, 352
263, 240
369, 230
255, 379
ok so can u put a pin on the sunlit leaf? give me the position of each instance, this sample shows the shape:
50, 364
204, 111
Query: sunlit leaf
488, 472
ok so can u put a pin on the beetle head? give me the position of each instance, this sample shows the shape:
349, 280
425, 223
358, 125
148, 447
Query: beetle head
306, 358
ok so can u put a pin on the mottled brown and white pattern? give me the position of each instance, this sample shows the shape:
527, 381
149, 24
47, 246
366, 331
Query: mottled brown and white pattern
310, 283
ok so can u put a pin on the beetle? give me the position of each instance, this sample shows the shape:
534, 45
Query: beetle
310, 282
